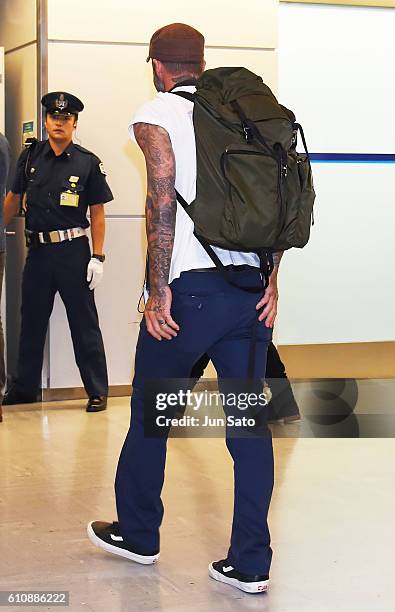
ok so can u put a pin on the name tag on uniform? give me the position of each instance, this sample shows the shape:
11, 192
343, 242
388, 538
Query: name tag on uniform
69, 199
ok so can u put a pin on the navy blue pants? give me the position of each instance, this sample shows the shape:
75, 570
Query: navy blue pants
283, 403
51, 268
216, 318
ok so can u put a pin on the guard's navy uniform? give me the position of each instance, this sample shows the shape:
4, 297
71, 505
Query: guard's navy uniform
59, 266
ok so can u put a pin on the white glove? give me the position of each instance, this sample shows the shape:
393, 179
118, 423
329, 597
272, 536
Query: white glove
94, 272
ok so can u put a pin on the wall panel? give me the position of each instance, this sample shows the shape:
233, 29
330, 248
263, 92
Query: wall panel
341, 287
222, 23
261, 62
21, 87
112, 81
17, 22
339, 89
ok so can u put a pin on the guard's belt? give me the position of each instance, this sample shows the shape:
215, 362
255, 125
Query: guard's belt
37, 238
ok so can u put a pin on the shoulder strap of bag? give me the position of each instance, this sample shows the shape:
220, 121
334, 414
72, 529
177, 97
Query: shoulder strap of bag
30, 144
299, 128
184, 94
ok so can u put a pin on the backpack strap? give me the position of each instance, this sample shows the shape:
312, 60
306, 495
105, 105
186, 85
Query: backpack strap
184, 94
30, 145
297, 127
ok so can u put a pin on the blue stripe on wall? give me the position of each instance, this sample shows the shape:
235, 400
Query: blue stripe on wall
356, 158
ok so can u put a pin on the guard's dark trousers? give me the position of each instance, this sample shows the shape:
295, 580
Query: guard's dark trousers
216, 318
51, 268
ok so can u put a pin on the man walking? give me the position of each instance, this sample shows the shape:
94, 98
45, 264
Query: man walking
191, 310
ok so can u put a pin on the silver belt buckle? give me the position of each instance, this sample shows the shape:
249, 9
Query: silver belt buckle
41, 237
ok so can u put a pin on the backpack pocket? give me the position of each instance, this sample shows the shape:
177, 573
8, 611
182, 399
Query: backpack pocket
299, 199
253, 211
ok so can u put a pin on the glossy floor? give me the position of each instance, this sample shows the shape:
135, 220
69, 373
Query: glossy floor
332, 518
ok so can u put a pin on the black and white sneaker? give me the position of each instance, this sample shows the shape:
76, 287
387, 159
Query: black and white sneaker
108, 537
224, 572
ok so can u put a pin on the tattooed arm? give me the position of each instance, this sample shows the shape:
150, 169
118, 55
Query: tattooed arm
161, 206
276, 260
270, 299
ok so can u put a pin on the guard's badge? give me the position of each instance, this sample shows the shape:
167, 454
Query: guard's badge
61, 103
101, 168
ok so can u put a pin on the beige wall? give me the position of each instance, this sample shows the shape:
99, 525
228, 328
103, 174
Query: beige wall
358, 360
224, 23
382, 3
18, 36
17, 23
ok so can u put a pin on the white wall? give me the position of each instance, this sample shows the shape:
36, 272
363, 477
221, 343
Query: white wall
336, 71
100, 56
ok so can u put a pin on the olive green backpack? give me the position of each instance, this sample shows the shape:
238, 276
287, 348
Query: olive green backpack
254, 192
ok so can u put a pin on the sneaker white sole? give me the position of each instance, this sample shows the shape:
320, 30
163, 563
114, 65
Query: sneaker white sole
247, 587
121, 552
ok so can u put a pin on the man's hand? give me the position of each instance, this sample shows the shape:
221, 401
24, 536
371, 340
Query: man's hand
269, 301
157, 315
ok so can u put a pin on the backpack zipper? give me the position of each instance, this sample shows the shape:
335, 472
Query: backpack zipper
239, 152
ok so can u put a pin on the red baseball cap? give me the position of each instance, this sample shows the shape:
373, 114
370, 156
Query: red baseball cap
177, 42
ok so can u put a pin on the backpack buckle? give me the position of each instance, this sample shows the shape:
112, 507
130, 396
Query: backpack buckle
247, 132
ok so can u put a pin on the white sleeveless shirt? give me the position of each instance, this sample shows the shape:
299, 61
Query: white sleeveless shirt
174, 114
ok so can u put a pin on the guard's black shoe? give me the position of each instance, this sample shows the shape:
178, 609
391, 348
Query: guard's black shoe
107, 537
13, 396
96, 404
224, 572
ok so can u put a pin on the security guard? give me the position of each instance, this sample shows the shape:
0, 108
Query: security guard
60, 180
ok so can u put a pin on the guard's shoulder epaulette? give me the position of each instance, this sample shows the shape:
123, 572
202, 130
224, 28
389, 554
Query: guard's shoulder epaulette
82, 149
